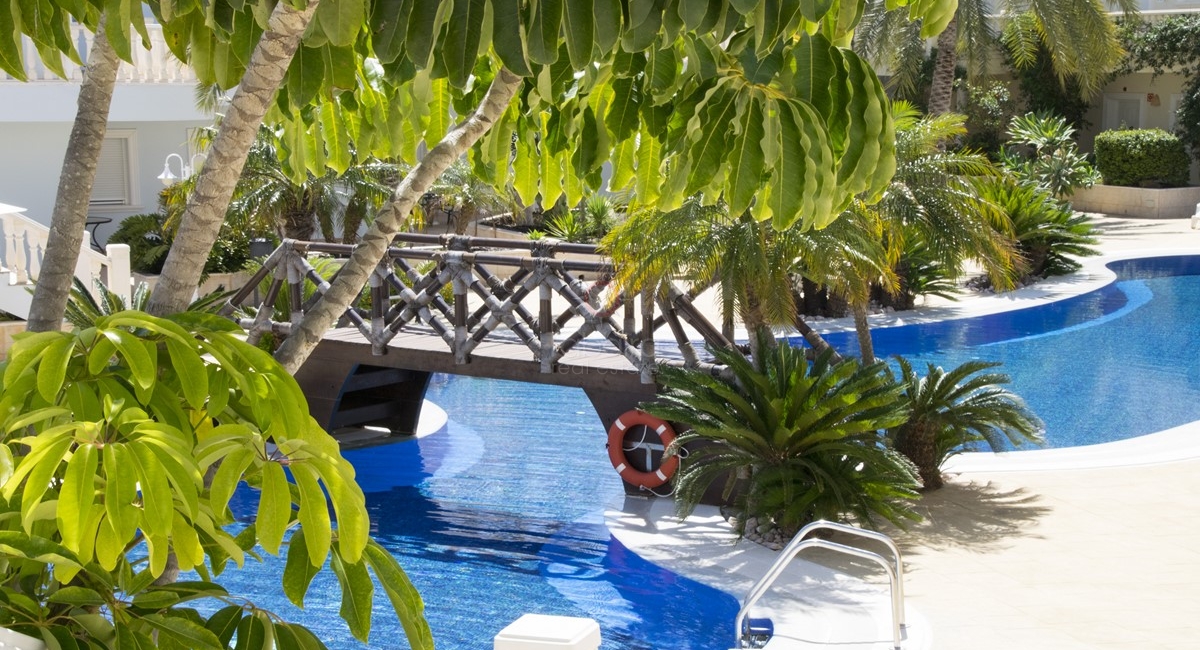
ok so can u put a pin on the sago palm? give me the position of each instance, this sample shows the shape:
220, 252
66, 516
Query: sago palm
950, 410
792, 441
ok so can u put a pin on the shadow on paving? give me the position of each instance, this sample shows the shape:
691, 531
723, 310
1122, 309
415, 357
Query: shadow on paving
969, 514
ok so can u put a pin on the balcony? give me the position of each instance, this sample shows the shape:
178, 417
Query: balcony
151, 66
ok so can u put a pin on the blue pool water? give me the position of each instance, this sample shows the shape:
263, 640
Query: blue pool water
500, 514
1115, 363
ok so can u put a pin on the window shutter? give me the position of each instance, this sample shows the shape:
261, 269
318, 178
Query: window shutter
112, 173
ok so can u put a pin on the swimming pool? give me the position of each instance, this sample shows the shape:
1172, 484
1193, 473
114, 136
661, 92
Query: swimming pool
1118, 362
500, 514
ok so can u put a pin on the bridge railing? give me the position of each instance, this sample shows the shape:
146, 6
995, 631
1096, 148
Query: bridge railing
497, 294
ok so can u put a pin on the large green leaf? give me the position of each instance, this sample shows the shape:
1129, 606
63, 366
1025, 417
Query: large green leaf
341, 21
274, 507
404, 597
298, 572
746, 159
508, 36
606, 16
649, 159
52, 370
525, 171
645, 19
77, 494
120, 490
465, 30
389, 28
184, 632
358, 592
10, 47
709, 134
580, 31
544, 18
193, 375
439, 112
314, 513
424, 24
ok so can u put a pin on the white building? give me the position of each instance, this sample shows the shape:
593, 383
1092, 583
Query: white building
152, 115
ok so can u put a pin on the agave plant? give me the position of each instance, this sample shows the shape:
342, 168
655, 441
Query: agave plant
84, 308
1042, 152
792, 441
948, 411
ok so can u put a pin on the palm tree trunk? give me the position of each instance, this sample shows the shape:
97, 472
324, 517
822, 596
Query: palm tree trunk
919, 444
75, 187
811, 336
356, 213
862, 328
206, 208
307, 334
941, 88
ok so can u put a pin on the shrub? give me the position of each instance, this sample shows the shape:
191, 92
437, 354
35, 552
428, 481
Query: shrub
1048, 234
1141, 158
1041, 151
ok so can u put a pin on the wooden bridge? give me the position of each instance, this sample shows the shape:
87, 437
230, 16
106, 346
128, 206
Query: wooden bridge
536, 310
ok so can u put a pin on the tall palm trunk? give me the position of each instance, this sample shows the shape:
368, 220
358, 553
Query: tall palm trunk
345, 289
75, 187
941, 88
862, 327
205, 212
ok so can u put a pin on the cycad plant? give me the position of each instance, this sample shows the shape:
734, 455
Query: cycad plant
1049, 235
948, 411
793, 441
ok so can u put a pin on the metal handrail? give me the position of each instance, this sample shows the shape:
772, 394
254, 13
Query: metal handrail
800, 543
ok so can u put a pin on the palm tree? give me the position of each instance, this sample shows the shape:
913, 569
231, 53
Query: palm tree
948, 410
792, 441
1048, 234
931, 207
267, 191
1078, 35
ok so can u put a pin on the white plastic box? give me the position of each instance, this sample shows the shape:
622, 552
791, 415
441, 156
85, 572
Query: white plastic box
542, 632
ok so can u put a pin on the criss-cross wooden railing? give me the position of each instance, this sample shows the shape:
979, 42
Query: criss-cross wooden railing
490, 288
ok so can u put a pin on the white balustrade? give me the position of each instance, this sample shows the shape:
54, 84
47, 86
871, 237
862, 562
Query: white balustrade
24, 247
153, 65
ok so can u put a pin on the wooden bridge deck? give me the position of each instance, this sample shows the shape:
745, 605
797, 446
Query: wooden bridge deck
596, 367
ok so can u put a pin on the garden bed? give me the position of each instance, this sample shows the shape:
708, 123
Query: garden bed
1140, 202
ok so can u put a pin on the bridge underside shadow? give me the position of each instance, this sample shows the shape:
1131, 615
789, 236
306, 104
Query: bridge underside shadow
349, 388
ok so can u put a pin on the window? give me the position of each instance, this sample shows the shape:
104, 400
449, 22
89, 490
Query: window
115, 183
1123, 110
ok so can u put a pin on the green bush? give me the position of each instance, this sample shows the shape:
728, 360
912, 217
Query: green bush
1141, 158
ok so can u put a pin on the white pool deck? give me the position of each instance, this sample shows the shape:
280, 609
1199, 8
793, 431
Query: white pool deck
1065, 549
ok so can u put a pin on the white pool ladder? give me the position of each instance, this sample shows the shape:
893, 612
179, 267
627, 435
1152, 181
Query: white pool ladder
802, 541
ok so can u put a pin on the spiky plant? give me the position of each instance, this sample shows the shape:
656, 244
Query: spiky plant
947, 411
84, 308
1048, 233
792, 441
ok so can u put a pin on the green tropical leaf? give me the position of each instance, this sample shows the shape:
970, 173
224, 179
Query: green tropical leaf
184, 632
606, 16
544, 19
224, 623
645, 19
358, 592
389, 28
439, 112
649, 159
341, 21
193, 375
424, 24
121, 489
403, 595
580, 31
52, 370
461, 48
508, 36
314, 513
622, 118
253, 634
525, 171
274, 507
78, 597
709, 144
746, 160
77, 494
298, 571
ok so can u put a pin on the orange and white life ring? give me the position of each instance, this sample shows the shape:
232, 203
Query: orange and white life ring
617, 451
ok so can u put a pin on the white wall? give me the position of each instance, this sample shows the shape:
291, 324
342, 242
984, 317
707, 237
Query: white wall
31, 160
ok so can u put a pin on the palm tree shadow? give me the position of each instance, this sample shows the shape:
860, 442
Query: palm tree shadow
971, 514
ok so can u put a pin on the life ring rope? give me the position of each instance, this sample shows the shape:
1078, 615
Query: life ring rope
618, 451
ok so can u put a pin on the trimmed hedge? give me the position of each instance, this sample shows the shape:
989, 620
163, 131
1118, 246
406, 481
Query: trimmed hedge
1141, 158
